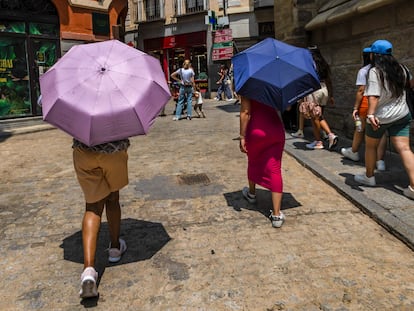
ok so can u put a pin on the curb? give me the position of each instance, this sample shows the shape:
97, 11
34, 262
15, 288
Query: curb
377, 212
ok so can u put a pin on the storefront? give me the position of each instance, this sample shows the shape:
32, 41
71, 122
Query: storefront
34, 34
173, 50
29, 45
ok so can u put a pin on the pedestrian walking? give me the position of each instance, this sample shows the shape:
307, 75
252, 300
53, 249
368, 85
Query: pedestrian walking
101, 171
185, 76
359, 114
387, 111
319, 99
262, 138
233, 86
223, 84
199, 103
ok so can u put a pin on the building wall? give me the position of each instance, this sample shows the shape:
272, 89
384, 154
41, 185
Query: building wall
342, 44
76, 19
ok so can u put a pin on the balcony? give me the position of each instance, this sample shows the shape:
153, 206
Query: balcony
184, 7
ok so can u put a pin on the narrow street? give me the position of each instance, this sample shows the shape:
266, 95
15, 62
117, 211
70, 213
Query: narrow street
193, 242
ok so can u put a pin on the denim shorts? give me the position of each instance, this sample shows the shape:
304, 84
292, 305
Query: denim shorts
400, 127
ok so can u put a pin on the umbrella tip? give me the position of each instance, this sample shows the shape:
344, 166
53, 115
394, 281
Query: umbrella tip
103, 69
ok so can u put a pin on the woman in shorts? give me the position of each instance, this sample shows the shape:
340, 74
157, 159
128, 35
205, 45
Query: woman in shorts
387, 111
101, 171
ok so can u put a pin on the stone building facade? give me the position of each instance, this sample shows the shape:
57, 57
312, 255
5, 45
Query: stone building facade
341, 29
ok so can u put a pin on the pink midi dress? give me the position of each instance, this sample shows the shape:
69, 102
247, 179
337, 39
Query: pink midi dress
265, 141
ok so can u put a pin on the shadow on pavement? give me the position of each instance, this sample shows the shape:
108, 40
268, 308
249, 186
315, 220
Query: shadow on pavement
229, 107
264, 201
144, 239
4, 135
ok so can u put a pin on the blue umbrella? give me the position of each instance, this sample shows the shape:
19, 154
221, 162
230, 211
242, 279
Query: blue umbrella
275, 73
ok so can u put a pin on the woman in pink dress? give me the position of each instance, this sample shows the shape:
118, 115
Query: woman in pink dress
262, 138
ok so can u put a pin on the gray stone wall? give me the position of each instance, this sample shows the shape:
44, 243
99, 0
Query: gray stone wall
342, 44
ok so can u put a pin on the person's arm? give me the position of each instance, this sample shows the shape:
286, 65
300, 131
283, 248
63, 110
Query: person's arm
358, 99
372, 107
174, 76
244, 120
373, 91
193, 80
221, 77
328, 83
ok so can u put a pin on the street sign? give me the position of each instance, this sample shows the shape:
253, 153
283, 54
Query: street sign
222, 44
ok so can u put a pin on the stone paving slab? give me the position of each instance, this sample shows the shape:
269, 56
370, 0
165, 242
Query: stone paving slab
384, 203
209, 250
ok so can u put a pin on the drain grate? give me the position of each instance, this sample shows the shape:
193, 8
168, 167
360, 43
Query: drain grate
193, 179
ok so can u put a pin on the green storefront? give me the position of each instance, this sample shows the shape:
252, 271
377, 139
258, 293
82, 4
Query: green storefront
29, 45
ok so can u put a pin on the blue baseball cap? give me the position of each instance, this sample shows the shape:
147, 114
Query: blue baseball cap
380, 47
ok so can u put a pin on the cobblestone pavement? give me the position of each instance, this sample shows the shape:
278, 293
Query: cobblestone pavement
194, 243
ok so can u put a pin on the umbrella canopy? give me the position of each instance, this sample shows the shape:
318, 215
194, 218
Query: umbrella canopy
275, 73
101, 92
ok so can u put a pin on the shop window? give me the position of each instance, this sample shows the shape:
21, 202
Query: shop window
12, 26
43, 29
14, 78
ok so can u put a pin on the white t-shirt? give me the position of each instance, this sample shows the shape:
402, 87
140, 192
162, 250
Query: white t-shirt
389, 109
199, 98
185, 75
362, 75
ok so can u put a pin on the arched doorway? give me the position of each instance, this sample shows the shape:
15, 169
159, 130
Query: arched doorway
29, 45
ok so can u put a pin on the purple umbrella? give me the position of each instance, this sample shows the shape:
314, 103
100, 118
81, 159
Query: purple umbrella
101, 92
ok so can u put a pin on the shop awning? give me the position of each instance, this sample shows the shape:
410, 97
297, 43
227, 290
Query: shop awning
336, 11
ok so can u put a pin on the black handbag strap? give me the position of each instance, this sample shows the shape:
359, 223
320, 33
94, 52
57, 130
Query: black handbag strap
407, 76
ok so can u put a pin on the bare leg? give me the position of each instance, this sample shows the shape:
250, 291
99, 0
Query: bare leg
301, 122
252, 187
316, 127
325, 126
371, 145
358, 137
381, 147
90, 230
277, 202
113, 215
402, 145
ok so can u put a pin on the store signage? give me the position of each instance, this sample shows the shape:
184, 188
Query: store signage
222, 44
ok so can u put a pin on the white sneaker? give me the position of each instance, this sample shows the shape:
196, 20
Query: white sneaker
298, 134
409, 192
363, 179
115, 254
251, 198
347, 153
277, 221
380, 165
175, 119
317, 144
88, 283
333, 140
